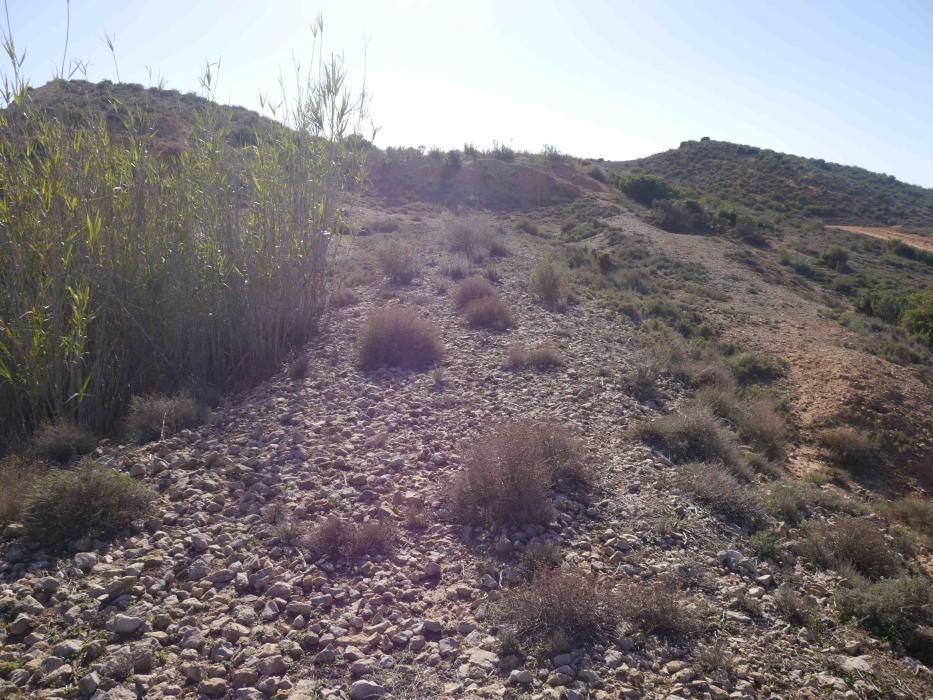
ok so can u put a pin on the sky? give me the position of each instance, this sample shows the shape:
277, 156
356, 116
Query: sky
850, 82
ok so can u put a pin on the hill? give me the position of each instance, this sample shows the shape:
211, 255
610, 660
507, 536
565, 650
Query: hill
171, 114
791, 186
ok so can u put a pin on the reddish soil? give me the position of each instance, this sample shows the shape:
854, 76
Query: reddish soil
890, 234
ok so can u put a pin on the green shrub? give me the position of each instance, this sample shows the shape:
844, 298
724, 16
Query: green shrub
764, 545
895, 609
750, 368
918, 317
399, 263
63, 440
645, 189
682, 216
528, 226
128, 265
158, 416
396, 336
914, 511
835, 257
489, 312
88, 501
510, 471
886, 305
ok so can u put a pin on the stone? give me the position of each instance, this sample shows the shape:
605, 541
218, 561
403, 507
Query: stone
21, 625
213, 687
365, 690
88, 684
125, 624
521, 677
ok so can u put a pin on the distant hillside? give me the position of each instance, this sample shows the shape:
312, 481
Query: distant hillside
172, 114
802, 188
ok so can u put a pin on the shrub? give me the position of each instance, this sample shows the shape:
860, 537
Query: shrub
398, 263
560, 610
489, 312
765, 429
682, 216
914, 511
158, 416
383, 225
835, 257
764, 545
547, 282
894, 609
544, 356
510, 470
528, 226
854, 542
645, 189
918, 317
298, 368
693, 435
88, 501
597, 174
848, 448
793, 502
335, 537
716, 488
656, 608
344, 297
62, 440
455, 269
396, 336
795, 608
463, 238
472, 289
17, 475
750, 368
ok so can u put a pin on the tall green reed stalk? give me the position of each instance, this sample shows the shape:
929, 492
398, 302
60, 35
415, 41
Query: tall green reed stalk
125, 270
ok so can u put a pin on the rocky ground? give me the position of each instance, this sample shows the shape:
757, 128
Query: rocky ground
210, 598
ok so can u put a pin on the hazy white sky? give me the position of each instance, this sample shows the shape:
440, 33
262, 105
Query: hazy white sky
850, 82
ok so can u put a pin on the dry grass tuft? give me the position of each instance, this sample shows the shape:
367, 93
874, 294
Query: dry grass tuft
853, 542
715, 487
472, 289
657, 608
560, 609
334, 538
158, 416
850, 449
88, 501
17, 475
693, 435
547, 282
914, 511
396, 336
63, 440
489, 312
511, 470
399, 263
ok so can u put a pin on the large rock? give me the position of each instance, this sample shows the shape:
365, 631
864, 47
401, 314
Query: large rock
365, 690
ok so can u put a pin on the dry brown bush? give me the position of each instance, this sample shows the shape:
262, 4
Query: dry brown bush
854, 542
489, 312
547, 282
715, 487
158, 416
914, 511
560, 609
510, 471
17, 475
63, 440
472, 289
395, 336
334, 538
850, 449
399, 263
693, 435
657, 608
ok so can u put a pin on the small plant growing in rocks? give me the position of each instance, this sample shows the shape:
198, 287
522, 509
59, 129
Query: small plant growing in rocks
396, 336
852, 542
335, 537
471, 290
560, 609
657, 608
849, 449
693, 435
88, 501
489, 312
547, 282
510, 471
398, 263
896, 609
157, 416
17, 474
62, 440
718, 489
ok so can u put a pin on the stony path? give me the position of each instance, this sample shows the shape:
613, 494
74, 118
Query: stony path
210, 599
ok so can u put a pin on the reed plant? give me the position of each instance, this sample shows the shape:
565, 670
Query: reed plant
127, 269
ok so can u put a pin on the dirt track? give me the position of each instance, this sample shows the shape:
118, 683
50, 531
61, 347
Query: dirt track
890, 234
